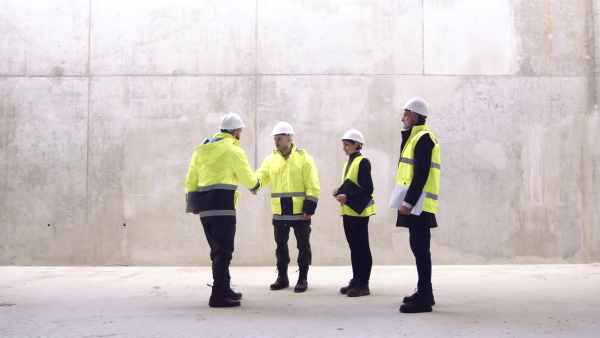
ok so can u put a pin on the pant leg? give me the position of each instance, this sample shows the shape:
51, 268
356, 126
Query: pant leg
282, 234
420, 238
360, 233
302, 233
220, 237
354, 256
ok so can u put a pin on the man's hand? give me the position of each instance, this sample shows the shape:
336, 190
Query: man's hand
253, 192
341, 198
404, 210
196, 212
335, 191
305, 216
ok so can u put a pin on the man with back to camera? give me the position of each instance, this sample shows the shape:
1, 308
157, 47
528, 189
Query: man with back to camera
216, 168
295, 192
419, 170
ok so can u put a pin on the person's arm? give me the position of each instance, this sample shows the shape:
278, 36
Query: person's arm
262, 174
364, 180
423, 151
313, 188
241, 169
191, 180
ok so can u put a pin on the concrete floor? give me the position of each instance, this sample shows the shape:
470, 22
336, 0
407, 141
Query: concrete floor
477, 301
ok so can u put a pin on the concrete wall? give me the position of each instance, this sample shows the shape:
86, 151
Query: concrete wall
102, 102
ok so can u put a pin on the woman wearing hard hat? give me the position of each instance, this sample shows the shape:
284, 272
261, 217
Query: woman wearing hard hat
356, 197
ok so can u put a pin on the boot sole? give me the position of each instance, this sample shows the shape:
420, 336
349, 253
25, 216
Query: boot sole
275, 289
414, 310
225, 305
408, 301
359, 294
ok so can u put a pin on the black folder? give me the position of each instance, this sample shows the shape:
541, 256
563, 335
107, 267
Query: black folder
193, 201
358, 205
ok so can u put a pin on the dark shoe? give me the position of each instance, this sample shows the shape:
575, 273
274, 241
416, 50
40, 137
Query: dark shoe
229, 293
223, 302
282, 281
351, 284
301, 286
219, 298
419, 304
362, 289
415, 295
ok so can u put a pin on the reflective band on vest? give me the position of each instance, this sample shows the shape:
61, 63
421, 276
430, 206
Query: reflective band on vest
430, 195
288, 194
217, 213
287, 217
412, 162
217, 186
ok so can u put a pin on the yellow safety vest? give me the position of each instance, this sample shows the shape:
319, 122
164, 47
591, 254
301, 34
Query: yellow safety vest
296, 177
353, 176
406, 167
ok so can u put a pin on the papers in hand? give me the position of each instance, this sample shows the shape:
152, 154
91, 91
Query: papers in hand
398, 198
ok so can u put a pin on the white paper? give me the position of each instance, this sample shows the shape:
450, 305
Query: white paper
398, 198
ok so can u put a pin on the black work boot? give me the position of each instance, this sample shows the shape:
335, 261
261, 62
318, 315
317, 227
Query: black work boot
218, 298
409, 299
302, 284
362, 289
351, 284
422, 303
282, 281
229, 293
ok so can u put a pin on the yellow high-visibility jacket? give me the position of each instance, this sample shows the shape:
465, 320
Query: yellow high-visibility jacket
216, 168
295, 187
406, 168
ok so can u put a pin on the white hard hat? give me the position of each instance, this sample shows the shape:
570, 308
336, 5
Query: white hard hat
354, 135
232, 121
283, 128
416, 105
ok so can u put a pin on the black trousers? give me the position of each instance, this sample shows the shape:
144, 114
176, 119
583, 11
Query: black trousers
357, 235
282, 235
220, 236
420, 239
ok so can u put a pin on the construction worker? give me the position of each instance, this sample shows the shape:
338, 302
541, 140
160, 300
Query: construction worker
216, 167
295, 191
357, 204
419, 170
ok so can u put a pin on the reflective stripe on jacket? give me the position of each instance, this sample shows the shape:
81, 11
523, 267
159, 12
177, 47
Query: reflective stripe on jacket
216, 168
295, 187
406, 167
353, 176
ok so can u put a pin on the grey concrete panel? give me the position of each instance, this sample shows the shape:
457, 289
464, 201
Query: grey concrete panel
553, 37
43, 128
143, 134
48, 38
502, 37
172, 37
470, 37
339, 37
